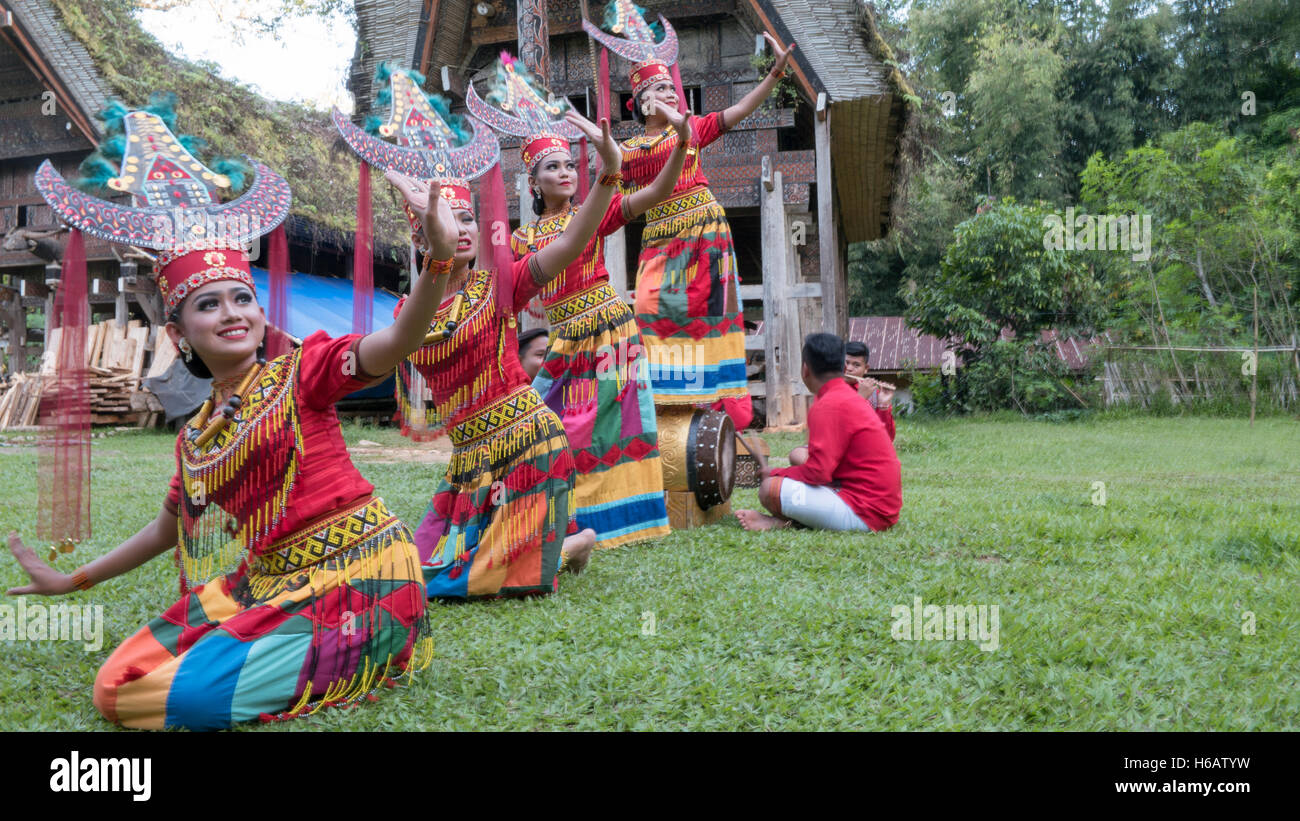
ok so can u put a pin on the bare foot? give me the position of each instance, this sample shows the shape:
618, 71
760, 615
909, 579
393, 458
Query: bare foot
578, 548
756, 521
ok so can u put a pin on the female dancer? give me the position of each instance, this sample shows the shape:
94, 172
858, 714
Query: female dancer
687, 297
594, 374
299, 589
496, 525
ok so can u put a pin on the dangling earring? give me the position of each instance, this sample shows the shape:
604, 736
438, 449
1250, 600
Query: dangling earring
186, 350
648, 107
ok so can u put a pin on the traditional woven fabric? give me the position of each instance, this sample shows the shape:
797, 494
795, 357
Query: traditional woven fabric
329, 635
595, 376
325, 599
497, 521
687, 288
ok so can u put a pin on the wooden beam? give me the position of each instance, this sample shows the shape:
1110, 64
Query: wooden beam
776, 256
834, 290
616, 263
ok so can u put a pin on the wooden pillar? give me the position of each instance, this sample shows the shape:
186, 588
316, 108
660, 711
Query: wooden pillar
616, 263
53, 273
776, 278
16, 319
834, 292
534, 38
526, 320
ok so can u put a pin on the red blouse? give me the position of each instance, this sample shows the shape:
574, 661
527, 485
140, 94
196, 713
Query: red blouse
477, 363
588, 270
642, 165
328, 370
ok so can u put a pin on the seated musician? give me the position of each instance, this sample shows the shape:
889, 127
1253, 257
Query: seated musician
532, 350
879, 394
852, 479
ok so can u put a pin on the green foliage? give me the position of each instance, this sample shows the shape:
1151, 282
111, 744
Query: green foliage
784, 94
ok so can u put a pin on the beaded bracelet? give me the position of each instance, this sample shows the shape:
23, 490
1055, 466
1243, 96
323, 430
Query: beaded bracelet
438, 267
614, 179
80, 581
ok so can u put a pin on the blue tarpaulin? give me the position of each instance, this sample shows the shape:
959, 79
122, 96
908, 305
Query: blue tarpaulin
325, 303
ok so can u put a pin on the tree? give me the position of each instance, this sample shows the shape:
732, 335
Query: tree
997, 276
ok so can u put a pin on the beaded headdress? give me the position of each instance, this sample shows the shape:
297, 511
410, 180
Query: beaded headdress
519, 105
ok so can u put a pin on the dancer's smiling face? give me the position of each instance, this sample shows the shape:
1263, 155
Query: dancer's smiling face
222, 322
556, 176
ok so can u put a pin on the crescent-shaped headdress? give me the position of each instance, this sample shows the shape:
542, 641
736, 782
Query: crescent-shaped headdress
518, 105
428, 141
175, 207
637, 43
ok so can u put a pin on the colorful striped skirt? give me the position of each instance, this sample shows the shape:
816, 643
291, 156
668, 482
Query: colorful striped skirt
688, 302
323, 619
497, 522
596, 377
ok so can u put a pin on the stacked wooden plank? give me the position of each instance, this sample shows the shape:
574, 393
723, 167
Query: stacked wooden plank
114, 360
21, 401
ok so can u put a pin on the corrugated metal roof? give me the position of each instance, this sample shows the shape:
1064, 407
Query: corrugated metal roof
65, 55
893, 346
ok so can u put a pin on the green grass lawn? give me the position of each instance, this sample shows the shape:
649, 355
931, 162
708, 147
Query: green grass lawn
1127, 616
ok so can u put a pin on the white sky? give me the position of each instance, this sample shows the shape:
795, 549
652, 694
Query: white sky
308, 64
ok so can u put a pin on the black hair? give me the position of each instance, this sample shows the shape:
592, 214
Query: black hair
823, 354
855, 348
527, 337
636, 110
195, 364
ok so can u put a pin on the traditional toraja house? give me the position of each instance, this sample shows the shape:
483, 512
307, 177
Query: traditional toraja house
60, 63
800, 178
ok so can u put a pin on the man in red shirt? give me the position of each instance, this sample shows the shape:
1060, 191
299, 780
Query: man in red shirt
852, 479
879, 395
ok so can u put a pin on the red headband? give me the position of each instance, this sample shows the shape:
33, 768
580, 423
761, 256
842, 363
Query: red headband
541, 146
647, 74
181, 273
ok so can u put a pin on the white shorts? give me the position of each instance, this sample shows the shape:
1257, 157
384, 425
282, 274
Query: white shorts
818, 506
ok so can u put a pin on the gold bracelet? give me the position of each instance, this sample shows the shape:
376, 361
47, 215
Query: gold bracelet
613, 180
80, 581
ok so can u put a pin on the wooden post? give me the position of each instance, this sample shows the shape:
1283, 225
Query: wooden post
616, 264
834, 292
534, 39
1254, 373
776, 258
17, 321
53, 273
526, 320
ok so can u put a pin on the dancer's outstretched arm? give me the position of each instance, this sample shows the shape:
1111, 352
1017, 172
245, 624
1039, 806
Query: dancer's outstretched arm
560, 254
735, 113
154, 539
381, 351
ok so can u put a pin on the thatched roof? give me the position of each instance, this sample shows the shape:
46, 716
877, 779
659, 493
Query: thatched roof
851, 63
387, 31
296, 141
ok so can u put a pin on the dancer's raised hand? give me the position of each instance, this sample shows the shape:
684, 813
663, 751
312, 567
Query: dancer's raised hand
782, 54
679, 120
611, 155
434, 212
